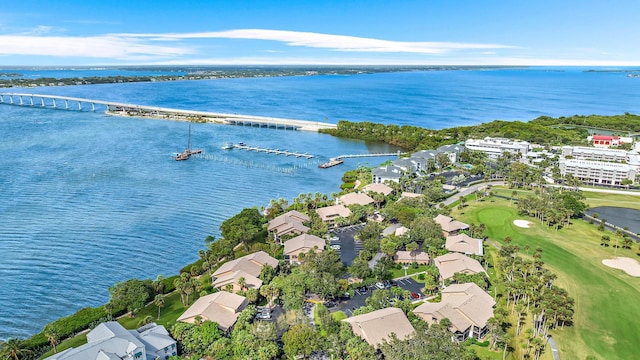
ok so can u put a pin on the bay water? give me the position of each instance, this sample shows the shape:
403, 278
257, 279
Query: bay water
87, 200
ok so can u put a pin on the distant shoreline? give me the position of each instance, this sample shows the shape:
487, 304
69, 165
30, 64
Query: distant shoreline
215, 73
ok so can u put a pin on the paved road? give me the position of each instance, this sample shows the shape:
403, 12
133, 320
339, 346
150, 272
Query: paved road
554, 348
470, 190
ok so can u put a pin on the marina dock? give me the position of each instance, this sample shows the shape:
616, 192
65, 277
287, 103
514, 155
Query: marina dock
243, 146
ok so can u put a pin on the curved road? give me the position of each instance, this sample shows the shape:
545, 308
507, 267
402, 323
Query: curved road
554, 348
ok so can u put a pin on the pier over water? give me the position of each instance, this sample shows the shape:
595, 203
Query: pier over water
124, 109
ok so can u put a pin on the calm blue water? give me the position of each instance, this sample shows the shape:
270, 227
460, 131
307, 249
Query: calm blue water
88, 200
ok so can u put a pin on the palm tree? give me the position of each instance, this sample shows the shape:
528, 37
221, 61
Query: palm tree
53, 337
158, 284
242, 282
159, 302
14, 349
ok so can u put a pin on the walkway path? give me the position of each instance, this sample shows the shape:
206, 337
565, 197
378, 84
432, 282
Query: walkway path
554, 348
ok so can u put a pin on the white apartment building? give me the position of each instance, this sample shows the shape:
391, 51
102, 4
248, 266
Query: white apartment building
494, 147
596, 154
598, 172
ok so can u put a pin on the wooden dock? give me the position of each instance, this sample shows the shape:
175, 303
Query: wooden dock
331, 163
242, 146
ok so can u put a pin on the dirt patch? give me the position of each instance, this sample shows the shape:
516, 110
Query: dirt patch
522, 223
628, 265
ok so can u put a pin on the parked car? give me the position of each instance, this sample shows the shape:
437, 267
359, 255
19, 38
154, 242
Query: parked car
330, 304
380, 285
335, 247
415, 296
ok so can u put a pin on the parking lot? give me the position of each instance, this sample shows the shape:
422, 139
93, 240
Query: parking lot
349, 247
359, 298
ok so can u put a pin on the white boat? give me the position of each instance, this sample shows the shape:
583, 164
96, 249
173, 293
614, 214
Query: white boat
227, 146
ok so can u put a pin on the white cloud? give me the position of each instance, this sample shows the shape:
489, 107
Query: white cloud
329, 41
107, 46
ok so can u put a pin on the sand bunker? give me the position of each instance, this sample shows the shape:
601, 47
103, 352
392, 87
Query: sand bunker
521, 223
628, 265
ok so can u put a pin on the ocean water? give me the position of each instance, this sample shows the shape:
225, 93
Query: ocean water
88, 200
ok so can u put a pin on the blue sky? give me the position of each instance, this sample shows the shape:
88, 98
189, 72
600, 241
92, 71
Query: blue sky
436, 32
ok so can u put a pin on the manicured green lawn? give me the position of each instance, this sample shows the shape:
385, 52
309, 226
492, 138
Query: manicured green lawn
396, 273
607, 305
73, 342
172, 309
599, 199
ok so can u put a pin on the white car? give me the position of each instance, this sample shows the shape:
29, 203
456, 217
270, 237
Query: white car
380, 285
335, 247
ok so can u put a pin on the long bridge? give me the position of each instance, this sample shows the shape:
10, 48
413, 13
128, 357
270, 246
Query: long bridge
124, 109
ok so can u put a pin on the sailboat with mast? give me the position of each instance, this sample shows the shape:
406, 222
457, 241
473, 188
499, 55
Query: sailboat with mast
186, 154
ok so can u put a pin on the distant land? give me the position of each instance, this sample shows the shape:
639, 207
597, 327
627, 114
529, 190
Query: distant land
16, 79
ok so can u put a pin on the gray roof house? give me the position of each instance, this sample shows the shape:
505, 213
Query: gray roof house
382, 174
111, 341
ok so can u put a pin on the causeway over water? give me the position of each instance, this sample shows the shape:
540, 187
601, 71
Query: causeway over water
124, 109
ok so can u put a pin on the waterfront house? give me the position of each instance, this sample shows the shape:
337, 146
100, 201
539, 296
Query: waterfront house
467, 307
221, 307
464, 244
355, 199
302, 244
452, 263
110, 340
329, 214
376, 327
248, 267
409, 257
290, 223
378, 188
449, 225
386, 173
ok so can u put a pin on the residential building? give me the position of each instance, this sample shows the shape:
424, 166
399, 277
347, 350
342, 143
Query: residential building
494, 147
221, 307
598, 172
329, 214
467, 307
302, 244
595, 154
248, 267
386, 173
409, 195
376, 327
604, 141
378, 188
290, 223
355, 199
409, 257
396, 229
449, 225
110, 340
464, 244
452, 263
